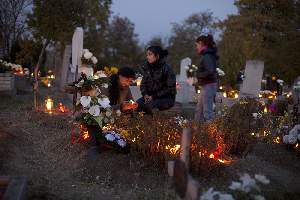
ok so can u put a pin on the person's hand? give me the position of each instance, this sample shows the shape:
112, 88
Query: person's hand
129, 106
147, 98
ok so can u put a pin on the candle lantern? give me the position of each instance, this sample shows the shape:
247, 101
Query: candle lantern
49, 105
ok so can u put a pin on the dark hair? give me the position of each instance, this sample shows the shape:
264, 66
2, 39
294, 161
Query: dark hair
127, 72
207, 40
158, 51
114, 89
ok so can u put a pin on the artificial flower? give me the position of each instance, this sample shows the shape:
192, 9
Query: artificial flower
95, 110
94, 60
104, 102
88, 55
225, 197
121, 143
259, 197
285, 139
209, 194
235, 185
292, 139
262, 179
105, 85
110, 137
85, 101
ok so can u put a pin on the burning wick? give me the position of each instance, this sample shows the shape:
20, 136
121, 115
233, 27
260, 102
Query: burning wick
61, 108
132, 102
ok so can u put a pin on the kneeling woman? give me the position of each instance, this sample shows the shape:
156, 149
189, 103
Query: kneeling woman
158, 85
119, 92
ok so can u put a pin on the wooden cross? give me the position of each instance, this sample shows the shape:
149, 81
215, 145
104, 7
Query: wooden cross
186, 187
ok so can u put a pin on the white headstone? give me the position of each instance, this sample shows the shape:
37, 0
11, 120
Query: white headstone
77, 47
184, 62
185, 92
253, 75
65, 67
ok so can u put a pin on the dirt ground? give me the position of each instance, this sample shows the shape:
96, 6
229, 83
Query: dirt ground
38, 146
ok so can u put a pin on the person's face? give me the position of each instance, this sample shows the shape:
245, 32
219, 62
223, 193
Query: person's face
151, 58
199, 46
124, 81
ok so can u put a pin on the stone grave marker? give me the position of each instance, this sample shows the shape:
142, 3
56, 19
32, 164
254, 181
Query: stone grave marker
253, 75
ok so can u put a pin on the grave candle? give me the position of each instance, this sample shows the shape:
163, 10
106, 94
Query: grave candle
49, 105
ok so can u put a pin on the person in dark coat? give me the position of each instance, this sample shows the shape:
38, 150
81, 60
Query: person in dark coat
158, 86
207, 78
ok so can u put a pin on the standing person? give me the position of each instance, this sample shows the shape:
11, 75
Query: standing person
207, 78
158, 85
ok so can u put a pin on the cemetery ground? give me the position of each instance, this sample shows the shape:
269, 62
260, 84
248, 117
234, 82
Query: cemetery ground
38, 146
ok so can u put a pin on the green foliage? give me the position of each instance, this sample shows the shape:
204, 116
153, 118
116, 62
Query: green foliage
122, 43
266, 30
184, 35
29, 53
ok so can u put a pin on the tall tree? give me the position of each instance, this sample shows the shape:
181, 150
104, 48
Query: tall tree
55, 21
123, 48
12, 23
266, 30
183, 36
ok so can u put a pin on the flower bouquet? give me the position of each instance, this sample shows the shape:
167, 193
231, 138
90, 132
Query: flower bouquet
88, 58
9, 67
94, 111
114, 140
191, 70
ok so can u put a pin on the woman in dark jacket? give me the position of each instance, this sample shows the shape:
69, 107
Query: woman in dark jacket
158, 85
207, 78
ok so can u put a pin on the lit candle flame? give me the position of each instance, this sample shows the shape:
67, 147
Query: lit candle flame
61, 108
49, 105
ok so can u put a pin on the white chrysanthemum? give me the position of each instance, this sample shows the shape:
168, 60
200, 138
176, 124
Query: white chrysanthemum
225, 197
235, 185
220, 72
94, 60
85, 51
259, 197
292, 139
101, 74
262, 179
85, 101
118, 112
117, 136
104, 102
195, 67
105, 85
255, 115
295, 130
110, 137
108, 113
88, 55
209, 194
248, 183
190, 70
285, 139
121, 143
94, 110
